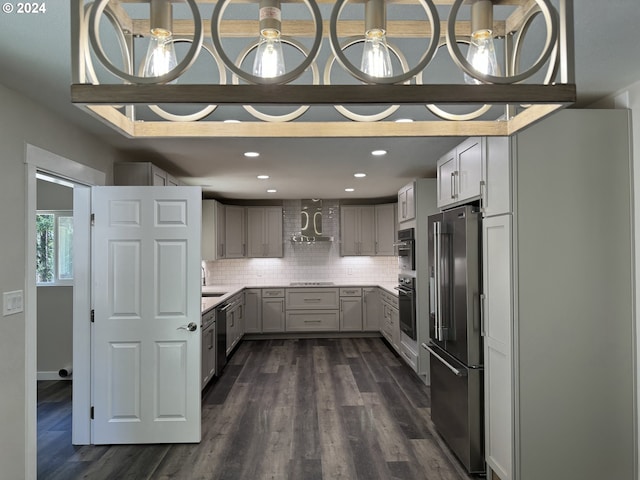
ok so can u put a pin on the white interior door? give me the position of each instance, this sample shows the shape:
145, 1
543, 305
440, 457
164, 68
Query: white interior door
146, 293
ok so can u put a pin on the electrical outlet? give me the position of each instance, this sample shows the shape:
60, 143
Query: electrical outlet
12, 302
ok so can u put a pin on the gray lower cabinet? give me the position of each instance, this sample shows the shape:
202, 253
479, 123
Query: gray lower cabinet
252, 310
351, 309
208, 352
390, 326
312, 309
235, 321
312, 320
371, 309
273, 310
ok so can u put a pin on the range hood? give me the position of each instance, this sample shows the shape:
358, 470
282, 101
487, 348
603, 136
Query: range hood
311, 228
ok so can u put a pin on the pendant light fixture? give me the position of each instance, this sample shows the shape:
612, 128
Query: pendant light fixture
269, 60
481, 53
376, 60
161, 55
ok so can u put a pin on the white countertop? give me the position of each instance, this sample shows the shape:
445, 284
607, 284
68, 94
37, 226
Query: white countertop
228, 290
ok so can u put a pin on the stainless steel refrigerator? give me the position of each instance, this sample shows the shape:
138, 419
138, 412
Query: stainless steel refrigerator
455, 341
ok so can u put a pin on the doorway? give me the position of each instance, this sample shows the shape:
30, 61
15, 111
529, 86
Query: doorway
81, 177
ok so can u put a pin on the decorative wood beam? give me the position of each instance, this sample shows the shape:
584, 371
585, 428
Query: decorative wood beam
306, 28
323, 94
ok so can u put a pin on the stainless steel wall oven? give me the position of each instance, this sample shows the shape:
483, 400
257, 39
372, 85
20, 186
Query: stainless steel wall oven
406, 249
407, 305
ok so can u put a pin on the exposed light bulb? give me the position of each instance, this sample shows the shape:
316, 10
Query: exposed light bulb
161, 55
376, 60
482, 55
269, 61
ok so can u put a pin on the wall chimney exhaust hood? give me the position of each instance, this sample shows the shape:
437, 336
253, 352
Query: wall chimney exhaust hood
311, 229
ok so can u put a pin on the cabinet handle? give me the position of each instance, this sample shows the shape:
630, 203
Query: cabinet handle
453, 185
482, 304
307, 300
313, 321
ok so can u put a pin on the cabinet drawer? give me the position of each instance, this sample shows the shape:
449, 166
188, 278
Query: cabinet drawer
208, 318
312, 298
409, 356
389, 298
313, 321
272, 292
351, 292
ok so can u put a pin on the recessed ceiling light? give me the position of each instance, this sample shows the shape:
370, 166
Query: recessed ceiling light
272, 190
379, 153
404, 120
359, 175
349, 189
263, 177
251, 154
231, 121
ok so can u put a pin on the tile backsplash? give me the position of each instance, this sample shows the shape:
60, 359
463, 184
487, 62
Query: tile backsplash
305, 263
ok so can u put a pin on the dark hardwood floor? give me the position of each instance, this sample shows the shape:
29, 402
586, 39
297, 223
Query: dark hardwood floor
308, 409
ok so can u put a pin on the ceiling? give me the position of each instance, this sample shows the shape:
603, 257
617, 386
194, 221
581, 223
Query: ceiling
35, 56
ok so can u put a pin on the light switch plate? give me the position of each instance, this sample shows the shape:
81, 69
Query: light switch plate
12, 302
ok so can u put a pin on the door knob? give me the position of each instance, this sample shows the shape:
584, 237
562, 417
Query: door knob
192, 327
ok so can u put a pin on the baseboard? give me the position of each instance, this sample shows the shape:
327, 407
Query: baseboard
51, 376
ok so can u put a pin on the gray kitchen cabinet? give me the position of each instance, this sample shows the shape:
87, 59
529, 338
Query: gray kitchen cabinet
312, 309
253, 310
208, 353
313, 298
357, 230
351, 309
235, 242
497, 197
390, 326
385, 229
459, 173
406, 203
273, 310
312, 321
223, 231
212, 245
235, 321
497, 311
273, 315
208, 347
264, 231
558, 308
142, 173
371, 309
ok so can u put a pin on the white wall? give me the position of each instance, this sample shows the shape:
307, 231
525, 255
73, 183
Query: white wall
630, 98
22, 122
319, 262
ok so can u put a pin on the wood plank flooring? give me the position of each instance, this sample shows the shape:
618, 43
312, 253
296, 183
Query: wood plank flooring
308, 409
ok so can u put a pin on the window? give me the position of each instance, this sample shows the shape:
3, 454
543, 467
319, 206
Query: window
54, 247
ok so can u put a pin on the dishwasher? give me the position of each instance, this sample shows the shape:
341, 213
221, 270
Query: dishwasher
221, 337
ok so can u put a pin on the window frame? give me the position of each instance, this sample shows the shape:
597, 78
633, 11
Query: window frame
57, 281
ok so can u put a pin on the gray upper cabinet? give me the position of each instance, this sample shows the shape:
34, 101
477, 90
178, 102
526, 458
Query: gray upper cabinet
406, 203
264, 231
142, 173
460, 173
235, 245
367, 229
357, 230
385, 229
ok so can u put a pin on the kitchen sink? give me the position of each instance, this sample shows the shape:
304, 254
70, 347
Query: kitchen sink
213, 294
311, 284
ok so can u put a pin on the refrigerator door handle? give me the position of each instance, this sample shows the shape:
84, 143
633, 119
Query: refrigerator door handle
458, 372
437, 253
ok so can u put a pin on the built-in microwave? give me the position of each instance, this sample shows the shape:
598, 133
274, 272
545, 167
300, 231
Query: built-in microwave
406, 249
